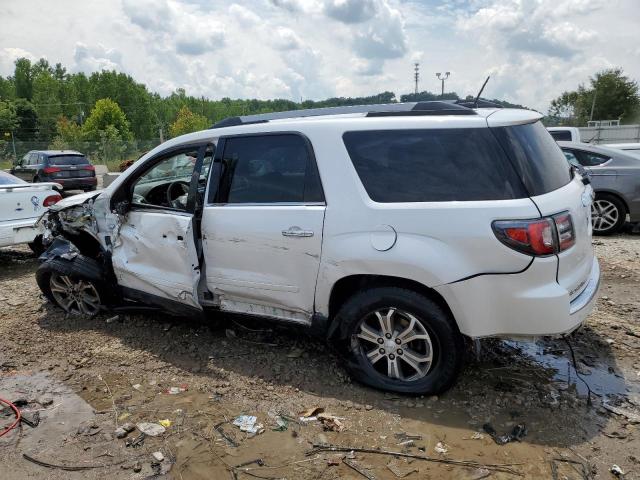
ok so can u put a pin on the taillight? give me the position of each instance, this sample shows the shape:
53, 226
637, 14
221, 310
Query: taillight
537, 237
51, 200
89, 167
49, 170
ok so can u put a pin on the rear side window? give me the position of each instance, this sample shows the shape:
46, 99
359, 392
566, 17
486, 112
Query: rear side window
68, 160
589, 159
536, 156
561, 135
269, 169
432, 165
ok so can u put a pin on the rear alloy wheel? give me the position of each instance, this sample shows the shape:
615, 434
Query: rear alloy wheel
396, 344
400, 340
75, 296
607, 215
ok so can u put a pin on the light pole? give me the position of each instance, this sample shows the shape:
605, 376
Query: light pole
443, 78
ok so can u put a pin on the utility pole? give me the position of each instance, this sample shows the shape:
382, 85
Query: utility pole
161, 135
416, 75
443, 78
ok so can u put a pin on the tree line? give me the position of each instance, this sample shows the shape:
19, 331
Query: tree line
45, 103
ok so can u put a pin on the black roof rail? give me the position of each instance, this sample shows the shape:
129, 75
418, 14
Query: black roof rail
376, 110
481, 103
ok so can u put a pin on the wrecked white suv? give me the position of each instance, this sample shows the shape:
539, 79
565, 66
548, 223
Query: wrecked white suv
395, 231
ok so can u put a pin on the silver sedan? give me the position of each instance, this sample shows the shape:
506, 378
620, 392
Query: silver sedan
615, 176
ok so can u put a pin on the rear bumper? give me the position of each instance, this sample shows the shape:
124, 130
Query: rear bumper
523, 304
79, 183
18, 231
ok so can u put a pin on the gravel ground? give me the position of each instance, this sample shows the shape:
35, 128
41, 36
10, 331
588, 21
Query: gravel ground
86, 377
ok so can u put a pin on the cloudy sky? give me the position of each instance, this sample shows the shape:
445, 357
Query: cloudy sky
533, 49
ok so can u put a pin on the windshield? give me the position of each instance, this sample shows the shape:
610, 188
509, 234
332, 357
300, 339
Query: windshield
68, 160
8, 179
536, 157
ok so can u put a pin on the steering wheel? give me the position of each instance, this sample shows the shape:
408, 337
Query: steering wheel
175, 190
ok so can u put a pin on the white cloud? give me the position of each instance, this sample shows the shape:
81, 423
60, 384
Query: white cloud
350, 11
320, 48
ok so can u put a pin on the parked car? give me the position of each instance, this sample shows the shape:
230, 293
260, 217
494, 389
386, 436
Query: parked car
71, 169
21, 205
565, 134
394, 231
615, 176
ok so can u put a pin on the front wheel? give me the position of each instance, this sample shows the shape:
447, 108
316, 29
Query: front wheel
73, 285
608, 214
402, 341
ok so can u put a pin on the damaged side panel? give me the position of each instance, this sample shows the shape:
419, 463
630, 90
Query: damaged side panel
155, 253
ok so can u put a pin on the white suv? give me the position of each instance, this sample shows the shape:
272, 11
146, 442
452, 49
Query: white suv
394, 230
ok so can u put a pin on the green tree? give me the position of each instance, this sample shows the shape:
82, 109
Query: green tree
69, 135
46, 101
23, 78
611, 94
187, 122
8, 118
106, 113
27, 120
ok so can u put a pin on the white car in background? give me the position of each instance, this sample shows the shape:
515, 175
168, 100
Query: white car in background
21, 205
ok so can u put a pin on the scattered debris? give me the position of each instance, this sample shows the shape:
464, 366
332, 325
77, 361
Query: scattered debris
247, 423
137, 386
151, 429
399, 470
112, 319
403, 436
68, 468
310, 414
441, 448
281, 424
361, 469
176, 390
331, 422
632, 417
136, 442
120, 432
223, 434
166, 423
31, 418
617, 471
479, 474
157, 456
503, 467
518, 432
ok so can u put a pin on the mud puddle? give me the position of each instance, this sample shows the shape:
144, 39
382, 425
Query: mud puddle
604, 378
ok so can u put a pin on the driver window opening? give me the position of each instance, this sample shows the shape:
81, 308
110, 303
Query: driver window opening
166, 184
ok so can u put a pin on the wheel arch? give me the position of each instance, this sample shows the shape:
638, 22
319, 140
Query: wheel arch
347, 286
616, 194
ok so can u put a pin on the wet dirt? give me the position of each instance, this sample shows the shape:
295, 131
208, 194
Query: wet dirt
104, 372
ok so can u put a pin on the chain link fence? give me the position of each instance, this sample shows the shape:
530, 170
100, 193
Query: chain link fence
109, 153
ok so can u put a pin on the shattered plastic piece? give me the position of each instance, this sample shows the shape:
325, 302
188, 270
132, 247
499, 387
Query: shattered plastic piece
247, 423
175, 390
165, 423
311, 412
281, 424
616, 470
151, 429
518, 432
157, 456
331, 422
441, 448
477, 436
400, 470
480, 473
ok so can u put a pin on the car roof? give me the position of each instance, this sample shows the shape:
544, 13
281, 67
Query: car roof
52, 153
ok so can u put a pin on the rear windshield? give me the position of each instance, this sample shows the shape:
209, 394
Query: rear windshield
68, 160
537, 157
434, 165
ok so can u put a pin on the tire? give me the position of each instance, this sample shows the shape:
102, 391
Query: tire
358, 319
36, 246
82, 272
608, 214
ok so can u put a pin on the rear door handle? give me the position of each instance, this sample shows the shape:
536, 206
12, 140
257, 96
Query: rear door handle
297, 232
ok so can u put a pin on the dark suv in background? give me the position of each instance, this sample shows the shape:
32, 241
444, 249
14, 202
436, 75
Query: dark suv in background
69, 168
